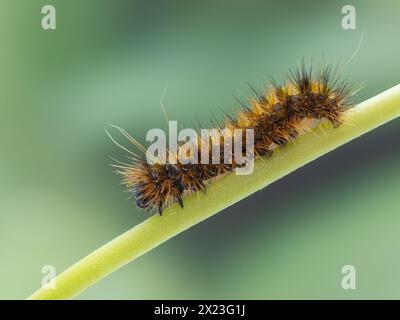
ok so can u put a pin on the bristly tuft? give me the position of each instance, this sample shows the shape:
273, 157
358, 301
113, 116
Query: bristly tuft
277, 115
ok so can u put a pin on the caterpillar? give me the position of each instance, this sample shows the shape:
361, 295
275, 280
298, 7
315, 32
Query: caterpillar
276, 115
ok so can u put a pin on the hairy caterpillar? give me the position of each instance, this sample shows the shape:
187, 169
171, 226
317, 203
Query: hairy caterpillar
277, 116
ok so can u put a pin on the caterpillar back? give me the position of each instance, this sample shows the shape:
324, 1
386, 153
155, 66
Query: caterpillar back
277, 115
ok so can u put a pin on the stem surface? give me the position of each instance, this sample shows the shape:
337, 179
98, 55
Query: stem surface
221, 194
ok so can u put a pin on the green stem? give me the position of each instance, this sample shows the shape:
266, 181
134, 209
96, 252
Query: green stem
221, 194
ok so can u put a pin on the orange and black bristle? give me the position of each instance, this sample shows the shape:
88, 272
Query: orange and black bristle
276, 116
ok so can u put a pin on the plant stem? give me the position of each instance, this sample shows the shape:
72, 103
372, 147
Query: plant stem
221, 194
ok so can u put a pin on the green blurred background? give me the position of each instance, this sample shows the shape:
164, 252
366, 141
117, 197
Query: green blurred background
109, 62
